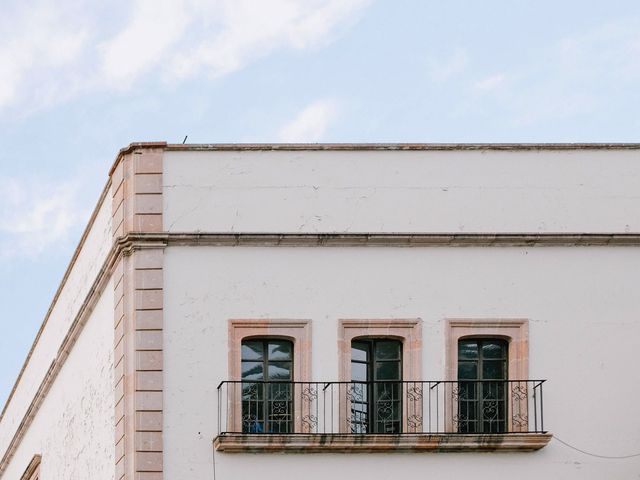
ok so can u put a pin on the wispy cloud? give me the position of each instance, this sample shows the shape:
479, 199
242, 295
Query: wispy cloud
235, 32
38, 43
310, 124
51, 51
442, 69
154, 28
34, 215
490, 83
575, 76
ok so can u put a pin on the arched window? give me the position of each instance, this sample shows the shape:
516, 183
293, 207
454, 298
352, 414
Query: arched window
376, 388
482, 386
267, 373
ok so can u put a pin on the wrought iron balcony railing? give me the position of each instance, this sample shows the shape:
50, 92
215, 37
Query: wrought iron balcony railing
381, 407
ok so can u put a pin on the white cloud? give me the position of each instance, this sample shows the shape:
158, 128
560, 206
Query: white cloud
311, 123
38, 41
35, 215
51, 51
235, 32
154, 27
441, 70
490, 83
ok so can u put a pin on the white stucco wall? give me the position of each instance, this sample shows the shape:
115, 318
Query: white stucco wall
584, 309
402, 191
61, 426
74, 428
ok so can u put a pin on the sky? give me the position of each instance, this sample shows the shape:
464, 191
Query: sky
80, 79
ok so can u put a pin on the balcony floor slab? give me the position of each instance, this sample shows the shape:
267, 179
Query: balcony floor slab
347, 443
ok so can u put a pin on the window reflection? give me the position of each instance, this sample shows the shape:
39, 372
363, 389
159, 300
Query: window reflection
375, 393
267, 370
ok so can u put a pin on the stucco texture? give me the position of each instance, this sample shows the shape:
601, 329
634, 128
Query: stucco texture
581, 303
74, 428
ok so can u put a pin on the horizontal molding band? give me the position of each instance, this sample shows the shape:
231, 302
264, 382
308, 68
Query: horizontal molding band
382, 239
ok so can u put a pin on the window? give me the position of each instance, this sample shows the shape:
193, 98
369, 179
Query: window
376, 388
482, 386
267, 373
519, 392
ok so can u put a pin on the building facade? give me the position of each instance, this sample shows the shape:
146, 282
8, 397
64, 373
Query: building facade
323, 311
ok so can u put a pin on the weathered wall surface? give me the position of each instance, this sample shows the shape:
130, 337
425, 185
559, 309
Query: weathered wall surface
582, 303
64, 312
407, 191
74, 428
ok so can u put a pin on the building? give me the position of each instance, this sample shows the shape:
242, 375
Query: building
324, 311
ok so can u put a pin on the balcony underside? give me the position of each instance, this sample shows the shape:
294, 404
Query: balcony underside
347, 443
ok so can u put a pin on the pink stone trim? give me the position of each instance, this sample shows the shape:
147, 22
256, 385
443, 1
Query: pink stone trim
136, 185
515, 331
298, 331
408, 331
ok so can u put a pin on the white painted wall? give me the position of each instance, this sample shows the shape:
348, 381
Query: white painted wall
584, 309
74, 428
402, 191
61, 427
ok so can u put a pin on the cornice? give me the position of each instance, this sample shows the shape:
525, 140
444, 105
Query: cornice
396, 146
132, 147
314, 147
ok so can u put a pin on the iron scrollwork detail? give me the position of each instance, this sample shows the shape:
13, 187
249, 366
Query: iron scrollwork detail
519, 392
519, 420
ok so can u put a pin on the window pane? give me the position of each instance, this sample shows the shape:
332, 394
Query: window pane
252, 371
468, 349
387, 371
493, 350
359, 372
388, 350
279, 391
492, 369
467, 370
360, 351
252, 350
279, 350
252, 391
279, 370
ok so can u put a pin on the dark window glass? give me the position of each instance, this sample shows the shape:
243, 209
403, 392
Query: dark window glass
387, 350
375, 393
468, 350
481, 404
267, 370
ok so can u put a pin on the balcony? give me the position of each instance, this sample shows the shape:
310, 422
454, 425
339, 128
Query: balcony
470, 415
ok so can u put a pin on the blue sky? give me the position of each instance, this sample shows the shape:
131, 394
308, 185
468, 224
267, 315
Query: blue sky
80, 79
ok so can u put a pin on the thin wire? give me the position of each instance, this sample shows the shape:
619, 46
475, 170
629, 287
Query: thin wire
555, 437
